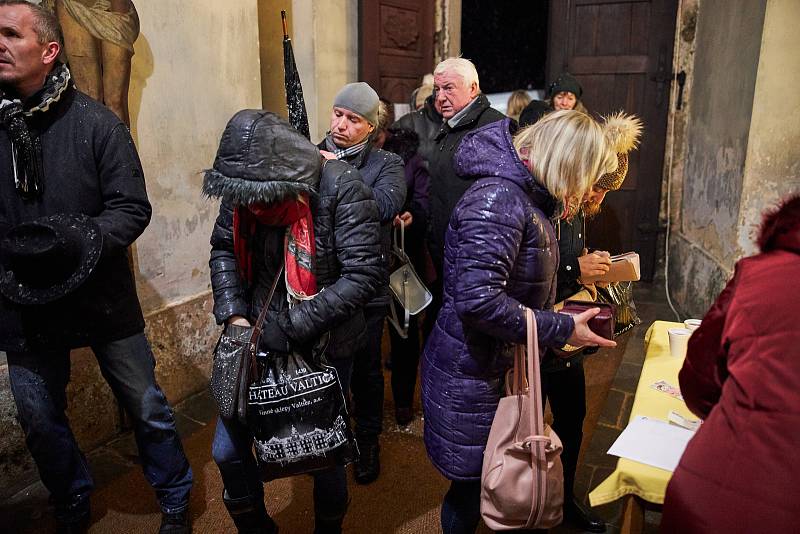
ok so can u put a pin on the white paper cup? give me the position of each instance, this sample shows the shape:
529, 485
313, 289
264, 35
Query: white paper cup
678, 341
692, 324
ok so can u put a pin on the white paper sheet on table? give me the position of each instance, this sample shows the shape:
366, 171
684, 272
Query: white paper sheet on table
652, 442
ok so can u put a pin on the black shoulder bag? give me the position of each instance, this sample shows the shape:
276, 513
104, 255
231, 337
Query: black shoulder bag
235, 363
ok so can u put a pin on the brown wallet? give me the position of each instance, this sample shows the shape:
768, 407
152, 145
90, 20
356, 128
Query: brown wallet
601, 324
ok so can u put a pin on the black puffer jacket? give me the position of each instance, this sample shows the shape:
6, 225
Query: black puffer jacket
426, 122
348, 264
383, 172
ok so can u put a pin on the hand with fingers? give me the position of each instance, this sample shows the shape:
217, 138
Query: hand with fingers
595, 264
583, 336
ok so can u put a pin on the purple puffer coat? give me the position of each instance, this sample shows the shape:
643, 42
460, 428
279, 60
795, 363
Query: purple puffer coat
501, 255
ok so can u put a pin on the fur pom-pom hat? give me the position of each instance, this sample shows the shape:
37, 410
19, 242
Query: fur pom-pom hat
622, 132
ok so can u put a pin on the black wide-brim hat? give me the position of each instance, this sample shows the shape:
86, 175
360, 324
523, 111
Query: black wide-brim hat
48, 258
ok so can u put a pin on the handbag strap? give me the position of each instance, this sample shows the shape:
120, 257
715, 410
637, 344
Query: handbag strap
257, 328
538, 440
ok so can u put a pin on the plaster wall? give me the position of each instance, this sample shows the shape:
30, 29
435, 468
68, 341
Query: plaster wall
192, 69
773, 150
711, 145
325, 39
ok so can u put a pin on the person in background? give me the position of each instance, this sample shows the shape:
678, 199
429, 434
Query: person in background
534, 111
66, 156
421, 93
355, 117
516, 103
563, 379
272, 179
464, 109
741, 375
566, 93
405, 351
501, 256
426, 121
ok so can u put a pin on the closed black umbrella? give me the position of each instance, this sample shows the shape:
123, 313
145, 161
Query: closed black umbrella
294, 90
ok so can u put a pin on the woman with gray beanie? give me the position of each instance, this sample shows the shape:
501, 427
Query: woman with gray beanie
356, 114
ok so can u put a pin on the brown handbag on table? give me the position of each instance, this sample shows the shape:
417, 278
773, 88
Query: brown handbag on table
522, 480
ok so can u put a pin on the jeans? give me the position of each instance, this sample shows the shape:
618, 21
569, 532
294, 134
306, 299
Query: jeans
461, 509
232, 450
367, 384
39, 380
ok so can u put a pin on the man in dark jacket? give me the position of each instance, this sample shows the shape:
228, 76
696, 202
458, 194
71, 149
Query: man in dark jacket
426, 122
264, 169
464, 108
563, 379
63, 153
354, 119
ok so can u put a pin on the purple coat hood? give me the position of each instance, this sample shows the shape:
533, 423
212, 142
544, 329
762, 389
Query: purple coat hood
501, 256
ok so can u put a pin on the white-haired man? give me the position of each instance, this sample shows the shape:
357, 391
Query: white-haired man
464, 108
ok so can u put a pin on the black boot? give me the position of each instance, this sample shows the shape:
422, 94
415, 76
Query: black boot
581, 516
328, 526
78, 526
368, 465
177, 523
250, 516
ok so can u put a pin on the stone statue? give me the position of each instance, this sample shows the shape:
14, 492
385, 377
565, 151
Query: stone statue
99, 37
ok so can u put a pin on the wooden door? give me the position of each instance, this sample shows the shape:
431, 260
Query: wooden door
395, 45
621, 52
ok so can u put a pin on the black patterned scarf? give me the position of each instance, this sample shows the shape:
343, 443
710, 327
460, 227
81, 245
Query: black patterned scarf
26, 147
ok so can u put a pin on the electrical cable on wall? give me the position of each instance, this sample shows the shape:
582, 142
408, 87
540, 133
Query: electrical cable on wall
673, 108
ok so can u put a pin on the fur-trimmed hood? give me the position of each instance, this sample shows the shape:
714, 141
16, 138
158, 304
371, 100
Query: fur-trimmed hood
262, 158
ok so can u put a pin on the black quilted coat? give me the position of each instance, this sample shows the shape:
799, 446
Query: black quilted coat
273, 162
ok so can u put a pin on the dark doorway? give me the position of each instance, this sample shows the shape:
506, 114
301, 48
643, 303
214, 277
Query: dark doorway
507, 41
621, 53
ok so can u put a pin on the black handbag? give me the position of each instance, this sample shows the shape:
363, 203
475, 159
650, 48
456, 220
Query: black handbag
234, 364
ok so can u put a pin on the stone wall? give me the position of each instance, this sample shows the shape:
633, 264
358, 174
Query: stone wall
735, 145
193, 68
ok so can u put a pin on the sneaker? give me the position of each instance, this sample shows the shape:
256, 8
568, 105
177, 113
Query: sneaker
177, 523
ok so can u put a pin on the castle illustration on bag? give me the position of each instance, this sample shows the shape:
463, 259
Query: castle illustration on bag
298, 446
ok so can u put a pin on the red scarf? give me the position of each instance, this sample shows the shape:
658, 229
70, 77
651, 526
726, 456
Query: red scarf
299, 248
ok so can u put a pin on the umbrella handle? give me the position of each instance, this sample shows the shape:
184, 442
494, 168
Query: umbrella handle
285, 28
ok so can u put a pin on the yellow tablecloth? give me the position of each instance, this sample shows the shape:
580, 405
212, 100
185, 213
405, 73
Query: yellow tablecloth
632, 477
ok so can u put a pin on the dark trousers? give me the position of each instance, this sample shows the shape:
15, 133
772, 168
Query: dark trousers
367, 384
461, 509
566, 390
39, 381
232, 450
405, 363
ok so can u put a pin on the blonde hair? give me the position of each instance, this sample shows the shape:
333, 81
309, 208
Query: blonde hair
461, 67
516, 103
567, 152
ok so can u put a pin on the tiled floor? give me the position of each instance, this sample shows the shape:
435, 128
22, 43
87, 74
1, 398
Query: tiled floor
406, 497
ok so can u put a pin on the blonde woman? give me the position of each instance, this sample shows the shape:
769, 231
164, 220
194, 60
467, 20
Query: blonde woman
500, 258
516, 103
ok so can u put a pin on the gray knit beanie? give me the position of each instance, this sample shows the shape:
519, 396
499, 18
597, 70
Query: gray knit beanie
359, 98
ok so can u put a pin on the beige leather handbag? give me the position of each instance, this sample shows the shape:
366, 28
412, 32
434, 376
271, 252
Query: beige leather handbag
522, 481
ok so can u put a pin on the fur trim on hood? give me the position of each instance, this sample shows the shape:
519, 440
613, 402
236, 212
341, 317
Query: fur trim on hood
262, 158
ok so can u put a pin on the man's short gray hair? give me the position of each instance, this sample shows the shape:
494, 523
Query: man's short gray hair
461, 67
45, 23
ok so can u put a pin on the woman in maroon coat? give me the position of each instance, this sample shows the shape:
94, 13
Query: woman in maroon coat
741, 472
